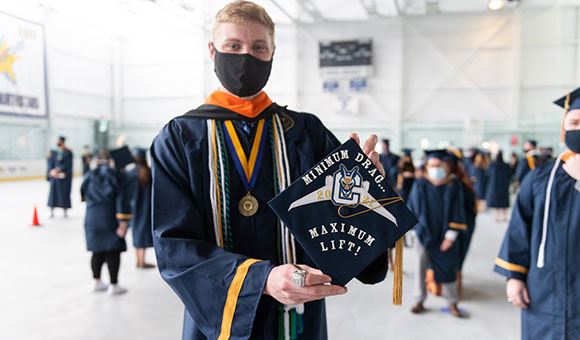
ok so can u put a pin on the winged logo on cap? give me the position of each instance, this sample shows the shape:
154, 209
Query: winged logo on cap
346, 188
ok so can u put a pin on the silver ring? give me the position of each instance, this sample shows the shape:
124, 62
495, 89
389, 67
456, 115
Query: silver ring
509, 300
298, 278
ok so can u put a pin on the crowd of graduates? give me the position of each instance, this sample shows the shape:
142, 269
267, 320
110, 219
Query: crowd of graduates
446, 189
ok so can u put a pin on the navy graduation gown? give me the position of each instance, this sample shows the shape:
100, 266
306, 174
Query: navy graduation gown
439, 209
107, 194
201, 273
86, 162
141, 206
554, 290
59, 195
498, 184
390, 162
480, 183
404, 185
525, 165
464, 239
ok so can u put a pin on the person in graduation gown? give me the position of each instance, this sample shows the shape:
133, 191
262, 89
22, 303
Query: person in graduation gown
59, 174
108, 204
86, 159
539, 253
527, 163
216, 241
454, 166
141, 205
479, 178
389, 161
468, 160
497, 194
437, 201
405, 174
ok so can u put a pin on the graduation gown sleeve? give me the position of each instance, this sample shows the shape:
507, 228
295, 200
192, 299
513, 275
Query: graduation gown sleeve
221, 290
514, 257
456, 221
49, 164
124, 199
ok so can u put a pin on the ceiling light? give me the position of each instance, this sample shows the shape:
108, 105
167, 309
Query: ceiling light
495, 5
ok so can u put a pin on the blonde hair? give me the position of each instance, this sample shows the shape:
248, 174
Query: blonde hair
239, 12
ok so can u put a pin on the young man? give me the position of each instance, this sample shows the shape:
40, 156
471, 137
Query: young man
59, 174
217, 243
437, 201
528, 162
539, 255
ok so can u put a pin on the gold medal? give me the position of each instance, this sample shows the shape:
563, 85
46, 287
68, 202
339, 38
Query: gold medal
248, 205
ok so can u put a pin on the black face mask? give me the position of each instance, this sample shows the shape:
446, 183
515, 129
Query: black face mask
241, 74
572, 139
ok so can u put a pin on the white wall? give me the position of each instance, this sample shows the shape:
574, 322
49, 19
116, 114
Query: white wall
455, 79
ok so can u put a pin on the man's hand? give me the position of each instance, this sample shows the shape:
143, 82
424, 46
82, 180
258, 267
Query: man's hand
517, 293
369, 150
572, 167
280, 287
445, 245
122, 229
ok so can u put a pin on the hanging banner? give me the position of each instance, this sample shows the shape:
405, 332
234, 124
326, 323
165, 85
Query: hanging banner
22, 67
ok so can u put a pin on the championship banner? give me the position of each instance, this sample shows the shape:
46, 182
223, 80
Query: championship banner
343, 213
22, 67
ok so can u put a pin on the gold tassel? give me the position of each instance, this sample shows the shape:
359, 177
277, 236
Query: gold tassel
566, 108
398, 280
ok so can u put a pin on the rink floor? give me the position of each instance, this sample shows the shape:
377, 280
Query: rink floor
45, 287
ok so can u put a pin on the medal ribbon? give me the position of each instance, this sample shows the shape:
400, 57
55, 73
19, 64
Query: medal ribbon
248, 168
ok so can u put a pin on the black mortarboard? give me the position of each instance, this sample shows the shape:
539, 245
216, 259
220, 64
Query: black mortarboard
451, 157
533, 142
343, 213
407, 152
385, 140
122, 157
62, 138
570, 101
438, 153
140, 152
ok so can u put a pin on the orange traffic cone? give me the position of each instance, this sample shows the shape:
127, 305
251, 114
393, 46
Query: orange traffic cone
35, 222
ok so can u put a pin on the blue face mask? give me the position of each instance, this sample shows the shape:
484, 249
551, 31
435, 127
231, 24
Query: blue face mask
436, 173
572, 139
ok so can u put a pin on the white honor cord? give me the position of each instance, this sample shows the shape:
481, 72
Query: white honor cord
542, 250
287, 322
212, 181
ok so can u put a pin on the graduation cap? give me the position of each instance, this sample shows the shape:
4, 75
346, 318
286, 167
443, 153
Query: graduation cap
569, 102
437, 153
140, 153
451, 157
122, 157
407, 152
343, 213
62, 138
533, 142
